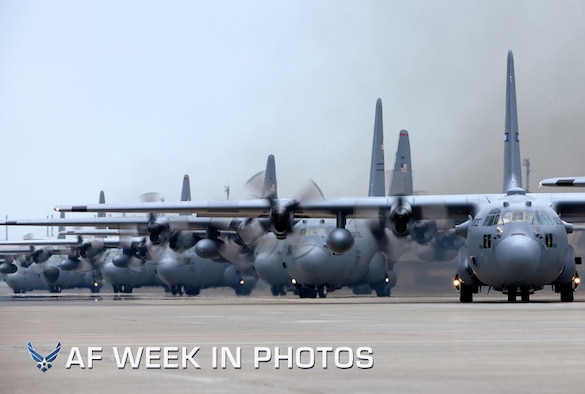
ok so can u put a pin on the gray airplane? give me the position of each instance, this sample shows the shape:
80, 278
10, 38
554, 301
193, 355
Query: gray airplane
50, 275
515, 242
180, 264
167, 258
50, 271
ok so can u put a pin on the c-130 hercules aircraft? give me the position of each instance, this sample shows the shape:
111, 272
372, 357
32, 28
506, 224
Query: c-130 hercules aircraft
516, 242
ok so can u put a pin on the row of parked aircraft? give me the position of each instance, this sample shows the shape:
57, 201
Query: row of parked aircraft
514, 242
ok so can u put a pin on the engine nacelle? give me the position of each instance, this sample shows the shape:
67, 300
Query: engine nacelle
92, 249
8, 268
282, 220
208, 248
423, 231
340, 240
180, 241
250, 231
158, 232
41, 255
400, 214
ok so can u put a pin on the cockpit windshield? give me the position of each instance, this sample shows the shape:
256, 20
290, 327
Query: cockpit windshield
536, 216
533, 216
315, 231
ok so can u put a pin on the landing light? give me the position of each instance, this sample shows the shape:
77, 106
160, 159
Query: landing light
457, 282
386, 279
293, 281
95, 284
242, 281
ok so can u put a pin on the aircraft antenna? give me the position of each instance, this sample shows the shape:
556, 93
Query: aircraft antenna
226, 188
526, 163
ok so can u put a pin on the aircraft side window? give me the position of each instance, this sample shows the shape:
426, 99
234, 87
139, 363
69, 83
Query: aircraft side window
543, 218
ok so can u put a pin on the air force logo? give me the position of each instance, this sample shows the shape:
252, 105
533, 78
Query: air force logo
44, 363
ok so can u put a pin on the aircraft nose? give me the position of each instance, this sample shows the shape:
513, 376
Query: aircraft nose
310, 262
268, 267
51, 274
518, 257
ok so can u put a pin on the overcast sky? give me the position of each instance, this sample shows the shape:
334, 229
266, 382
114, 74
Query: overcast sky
128, 96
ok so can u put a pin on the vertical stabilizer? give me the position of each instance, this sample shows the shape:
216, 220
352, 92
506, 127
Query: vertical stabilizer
186, 189
377, 180
512, 162
60, 229
401, 184
269, 189
102, 200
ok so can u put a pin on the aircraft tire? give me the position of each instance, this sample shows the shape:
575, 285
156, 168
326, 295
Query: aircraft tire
567, 292
277, 290
308, 292
465, 293
55, 289
125, 289
192, 291
322, 290
383, 289
525, 294
512, 294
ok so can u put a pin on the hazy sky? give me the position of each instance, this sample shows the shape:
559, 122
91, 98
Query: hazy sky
128, 96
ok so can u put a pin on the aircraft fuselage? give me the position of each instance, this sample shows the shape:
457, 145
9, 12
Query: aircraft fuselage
517, 242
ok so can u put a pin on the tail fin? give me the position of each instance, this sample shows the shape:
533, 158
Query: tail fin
377, 180
102, 200
60, 229
401, 184
186, 190
269, 188
512, 162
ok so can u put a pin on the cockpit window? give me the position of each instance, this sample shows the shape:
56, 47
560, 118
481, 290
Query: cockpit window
315, 231
537, 216
492, 218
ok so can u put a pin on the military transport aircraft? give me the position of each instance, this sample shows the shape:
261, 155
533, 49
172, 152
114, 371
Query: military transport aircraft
515, 242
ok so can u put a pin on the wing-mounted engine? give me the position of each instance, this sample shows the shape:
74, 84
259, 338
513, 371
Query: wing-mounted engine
134, 254
400, 216
159, 231
423, 231
181, 240
251, 229
282, 218
91, 249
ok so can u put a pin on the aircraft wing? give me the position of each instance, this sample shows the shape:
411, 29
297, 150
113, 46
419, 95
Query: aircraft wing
578, 181
423, 207
138, 224
7, 250
44, 242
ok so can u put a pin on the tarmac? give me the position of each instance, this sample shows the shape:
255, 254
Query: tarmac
343, 343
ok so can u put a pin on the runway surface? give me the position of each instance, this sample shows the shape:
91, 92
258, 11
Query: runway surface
419, 344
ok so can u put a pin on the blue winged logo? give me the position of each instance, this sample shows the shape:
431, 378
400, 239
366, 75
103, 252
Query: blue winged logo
44, 363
